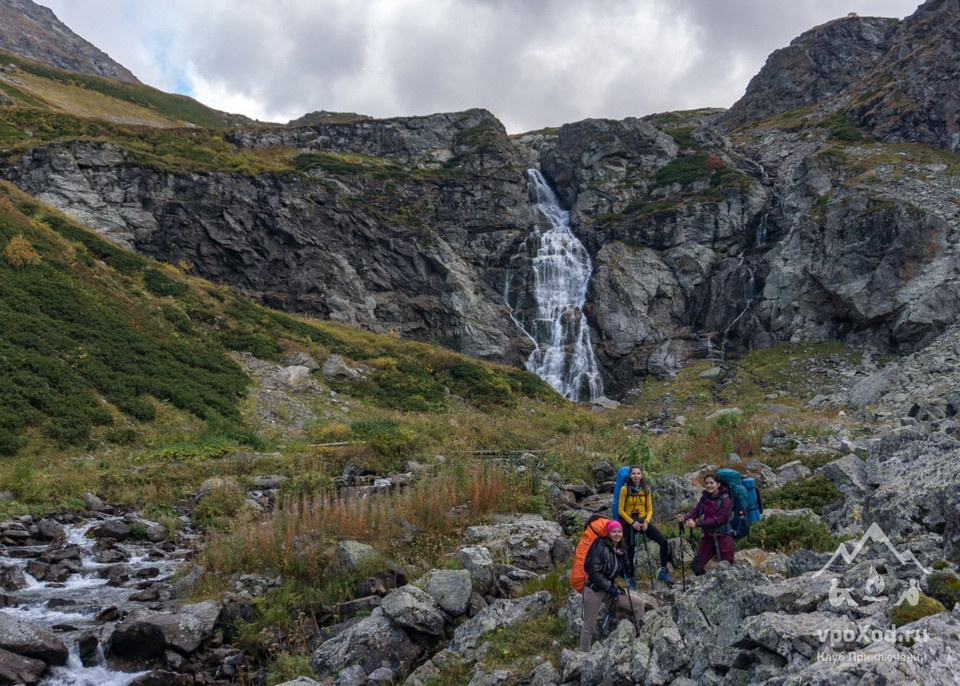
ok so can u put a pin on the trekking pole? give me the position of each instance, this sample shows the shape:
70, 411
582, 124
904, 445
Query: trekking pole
599, 634
683, 566
633, 616
646, 549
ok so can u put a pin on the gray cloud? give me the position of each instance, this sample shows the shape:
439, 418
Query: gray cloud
533, 63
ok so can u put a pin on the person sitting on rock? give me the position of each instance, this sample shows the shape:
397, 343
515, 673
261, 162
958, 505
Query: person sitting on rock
603, 564
712, 514
635, 510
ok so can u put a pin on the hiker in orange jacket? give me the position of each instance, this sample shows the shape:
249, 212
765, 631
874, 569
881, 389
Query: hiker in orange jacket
603, 564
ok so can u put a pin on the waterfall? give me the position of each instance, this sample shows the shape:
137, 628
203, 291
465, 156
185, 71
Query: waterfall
548, 301
749, 293
761, 235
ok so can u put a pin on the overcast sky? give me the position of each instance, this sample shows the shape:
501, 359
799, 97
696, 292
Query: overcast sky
533, 63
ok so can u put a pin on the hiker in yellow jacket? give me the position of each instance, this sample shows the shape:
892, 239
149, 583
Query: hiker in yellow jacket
635, 510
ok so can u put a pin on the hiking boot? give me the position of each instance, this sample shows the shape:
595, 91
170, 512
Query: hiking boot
664, 577
632, 583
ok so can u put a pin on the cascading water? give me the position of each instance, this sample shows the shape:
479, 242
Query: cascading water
546, 296
749, 293
760, 239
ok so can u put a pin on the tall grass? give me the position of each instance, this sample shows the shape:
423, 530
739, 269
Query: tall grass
297, 539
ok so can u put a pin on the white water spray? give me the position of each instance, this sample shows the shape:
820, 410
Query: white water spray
555, 321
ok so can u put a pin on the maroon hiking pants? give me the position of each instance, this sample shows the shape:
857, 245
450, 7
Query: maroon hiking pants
707, 549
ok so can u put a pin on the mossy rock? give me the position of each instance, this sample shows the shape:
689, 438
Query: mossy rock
940, 565
905, 613
945, 587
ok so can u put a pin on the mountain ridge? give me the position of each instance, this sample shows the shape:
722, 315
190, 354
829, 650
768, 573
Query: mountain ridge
33, 31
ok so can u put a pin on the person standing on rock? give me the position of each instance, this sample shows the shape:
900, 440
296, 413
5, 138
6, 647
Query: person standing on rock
712, 514
635, 510
603, 564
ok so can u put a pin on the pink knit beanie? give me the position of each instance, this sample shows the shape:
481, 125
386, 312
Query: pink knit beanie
613, 524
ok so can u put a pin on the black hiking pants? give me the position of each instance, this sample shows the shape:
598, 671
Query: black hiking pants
634, 540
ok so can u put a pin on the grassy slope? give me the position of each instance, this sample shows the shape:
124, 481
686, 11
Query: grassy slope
108, 99
100, 347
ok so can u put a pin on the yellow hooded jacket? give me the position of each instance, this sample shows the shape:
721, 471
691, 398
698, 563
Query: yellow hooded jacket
636, 501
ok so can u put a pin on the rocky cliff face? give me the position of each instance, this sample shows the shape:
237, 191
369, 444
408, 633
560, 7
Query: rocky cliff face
34, 32
800, 214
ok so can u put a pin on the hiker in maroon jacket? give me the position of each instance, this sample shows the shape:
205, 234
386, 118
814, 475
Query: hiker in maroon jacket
712, 514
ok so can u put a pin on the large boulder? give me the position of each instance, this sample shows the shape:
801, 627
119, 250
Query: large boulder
451, 588
502, 614
798, 594
796, 637
528, 541
17, 669
23, 638
411, 608
849, 475
12, 578
147, 634
372, 642
918, 486
712, 610
477, 560
613, 661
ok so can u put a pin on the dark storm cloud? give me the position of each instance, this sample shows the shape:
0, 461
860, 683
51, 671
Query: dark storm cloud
533, 63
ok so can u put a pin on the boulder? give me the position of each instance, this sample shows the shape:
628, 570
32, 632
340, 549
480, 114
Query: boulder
301, 681
116, 529
612, 660
382, 676
352, 676
797, 637
336, 369
799, 594
50, 530
544, 674
372, 642
411, 608
917, 478
12, 578
147, 634
163, 677
17, 669
502, 614
792, 471
25, 639
528, 541
295, 378
353, 555
479, 563
451, 589
92, 502
301, 359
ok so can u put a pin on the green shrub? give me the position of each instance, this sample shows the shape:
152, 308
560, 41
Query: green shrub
218, 506
683, 170
843, 129
789, 534
814, 493
683, 136
161, 285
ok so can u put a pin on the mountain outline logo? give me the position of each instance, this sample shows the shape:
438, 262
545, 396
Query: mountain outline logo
876, 534
840, 595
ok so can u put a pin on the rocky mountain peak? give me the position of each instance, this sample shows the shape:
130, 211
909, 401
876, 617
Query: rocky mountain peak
816, 65
33, 31
911, 93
